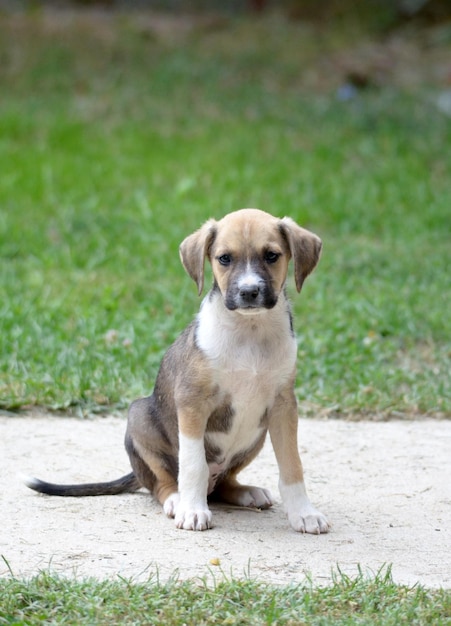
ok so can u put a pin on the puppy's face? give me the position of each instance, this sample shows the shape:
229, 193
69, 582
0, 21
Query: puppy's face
249, 251
250, 259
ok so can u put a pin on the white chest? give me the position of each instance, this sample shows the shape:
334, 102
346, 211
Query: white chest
248, 354
252, 358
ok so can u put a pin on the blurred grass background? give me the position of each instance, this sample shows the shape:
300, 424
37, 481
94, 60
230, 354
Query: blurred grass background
122, 131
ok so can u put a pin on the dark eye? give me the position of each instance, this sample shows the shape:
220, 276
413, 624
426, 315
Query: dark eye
271, 257
225, 259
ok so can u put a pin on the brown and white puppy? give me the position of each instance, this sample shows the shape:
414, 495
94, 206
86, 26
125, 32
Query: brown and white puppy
225, 382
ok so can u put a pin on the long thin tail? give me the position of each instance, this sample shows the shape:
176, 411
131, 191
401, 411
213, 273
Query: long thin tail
124, 484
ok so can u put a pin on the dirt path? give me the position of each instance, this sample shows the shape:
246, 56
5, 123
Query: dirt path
384, 486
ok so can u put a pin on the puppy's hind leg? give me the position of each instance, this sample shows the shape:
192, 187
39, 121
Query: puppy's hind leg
231, 491
154, 476
152, 452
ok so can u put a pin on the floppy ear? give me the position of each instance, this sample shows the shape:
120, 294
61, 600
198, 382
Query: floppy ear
305, 248
194, 249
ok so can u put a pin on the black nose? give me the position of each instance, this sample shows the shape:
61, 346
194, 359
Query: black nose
249, 293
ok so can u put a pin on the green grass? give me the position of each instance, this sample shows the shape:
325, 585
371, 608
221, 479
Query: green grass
115, 143
360, 600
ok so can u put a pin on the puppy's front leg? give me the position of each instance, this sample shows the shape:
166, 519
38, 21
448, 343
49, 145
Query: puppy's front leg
283, 426
192, 512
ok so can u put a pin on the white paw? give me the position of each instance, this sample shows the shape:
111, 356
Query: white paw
255, 497
303, 516
308, 520
171, 503
190, 518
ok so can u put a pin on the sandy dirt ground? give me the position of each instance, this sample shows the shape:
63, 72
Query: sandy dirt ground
385, 487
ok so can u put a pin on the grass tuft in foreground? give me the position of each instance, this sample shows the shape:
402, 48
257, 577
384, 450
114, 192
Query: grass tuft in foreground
359, 600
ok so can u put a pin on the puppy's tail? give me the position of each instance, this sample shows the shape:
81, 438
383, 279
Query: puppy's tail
127, 483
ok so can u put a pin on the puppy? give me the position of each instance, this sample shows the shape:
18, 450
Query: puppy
225, 382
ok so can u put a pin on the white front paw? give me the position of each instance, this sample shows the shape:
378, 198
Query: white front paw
303, 516
192, 518
308, 520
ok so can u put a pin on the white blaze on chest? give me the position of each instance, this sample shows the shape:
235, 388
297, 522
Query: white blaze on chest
252, 357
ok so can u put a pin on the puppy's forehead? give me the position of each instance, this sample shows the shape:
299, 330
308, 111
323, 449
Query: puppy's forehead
248, 229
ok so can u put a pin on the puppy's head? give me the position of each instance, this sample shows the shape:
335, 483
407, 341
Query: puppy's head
249, 251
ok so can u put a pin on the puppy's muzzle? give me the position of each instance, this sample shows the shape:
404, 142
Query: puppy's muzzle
248, 296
